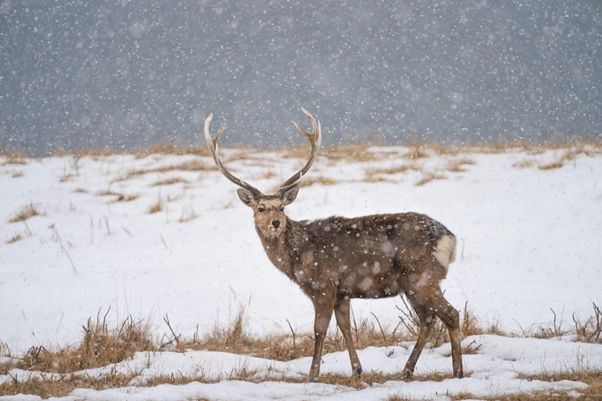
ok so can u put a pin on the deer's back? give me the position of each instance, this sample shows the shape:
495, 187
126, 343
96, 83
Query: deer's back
372, 256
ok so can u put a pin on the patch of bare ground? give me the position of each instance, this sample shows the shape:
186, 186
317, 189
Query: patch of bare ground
26, 212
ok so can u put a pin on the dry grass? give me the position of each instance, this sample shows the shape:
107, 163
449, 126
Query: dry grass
187, 215
373, 174
125, 198
17, 174
551, 165
586, 330
169, 181
13, 158
457, 165
80, 190
525, 163
397, 397
119, 197
354, 153
14, 238
64, 385
417, 152
157, 206
100, 346
233, 338
192, 165
429, 177
309, 181
366, 332
171, 149
26, 212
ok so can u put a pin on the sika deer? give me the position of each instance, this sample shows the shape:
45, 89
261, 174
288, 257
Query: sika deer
338, 258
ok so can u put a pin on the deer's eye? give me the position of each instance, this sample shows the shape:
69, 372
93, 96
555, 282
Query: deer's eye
281, 208
261, 209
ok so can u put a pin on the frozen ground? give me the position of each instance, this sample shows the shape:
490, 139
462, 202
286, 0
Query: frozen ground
529, 240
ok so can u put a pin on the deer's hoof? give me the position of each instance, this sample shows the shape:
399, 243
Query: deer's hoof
406, 375
357, 372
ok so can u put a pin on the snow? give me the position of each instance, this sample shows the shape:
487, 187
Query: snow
528, 241
494, 370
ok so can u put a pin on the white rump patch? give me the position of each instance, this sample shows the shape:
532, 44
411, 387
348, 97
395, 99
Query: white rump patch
445, 251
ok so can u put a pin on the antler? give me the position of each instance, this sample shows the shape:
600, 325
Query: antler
315, 138
212, 145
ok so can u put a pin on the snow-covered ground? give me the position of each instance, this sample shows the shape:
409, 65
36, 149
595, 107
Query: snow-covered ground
529, 240
500, 367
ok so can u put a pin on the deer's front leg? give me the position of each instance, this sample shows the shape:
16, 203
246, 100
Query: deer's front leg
342, 312
323, 312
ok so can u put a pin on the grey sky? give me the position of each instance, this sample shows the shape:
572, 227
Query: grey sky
79, 74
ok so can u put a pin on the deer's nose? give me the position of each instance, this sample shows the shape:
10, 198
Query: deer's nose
276, 223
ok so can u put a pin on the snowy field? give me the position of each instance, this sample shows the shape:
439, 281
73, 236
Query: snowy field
528, 242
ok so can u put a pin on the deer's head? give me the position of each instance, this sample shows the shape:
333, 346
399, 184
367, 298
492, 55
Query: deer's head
268, 210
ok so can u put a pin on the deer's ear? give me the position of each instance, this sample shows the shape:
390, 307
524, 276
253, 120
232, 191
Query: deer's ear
289, 195
246, 197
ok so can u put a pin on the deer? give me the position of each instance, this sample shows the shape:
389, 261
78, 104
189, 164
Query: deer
336, 259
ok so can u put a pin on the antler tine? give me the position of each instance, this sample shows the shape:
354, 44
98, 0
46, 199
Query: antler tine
315, 138
213, 146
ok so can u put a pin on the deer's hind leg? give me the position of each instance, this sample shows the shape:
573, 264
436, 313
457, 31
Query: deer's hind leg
451, 318
341, 313
426, 319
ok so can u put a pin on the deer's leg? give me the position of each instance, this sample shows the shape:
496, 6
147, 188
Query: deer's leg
323, 312
426, 320
451, 318
341, 312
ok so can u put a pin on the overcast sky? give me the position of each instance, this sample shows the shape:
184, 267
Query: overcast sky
78, 74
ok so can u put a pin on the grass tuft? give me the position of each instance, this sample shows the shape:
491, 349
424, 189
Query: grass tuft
26, 212
169, 181
309, 181
14, 238
157, 206
429, 177
100, 346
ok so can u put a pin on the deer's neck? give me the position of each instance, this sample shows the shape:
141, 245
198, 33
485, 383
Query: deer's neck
282, 250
